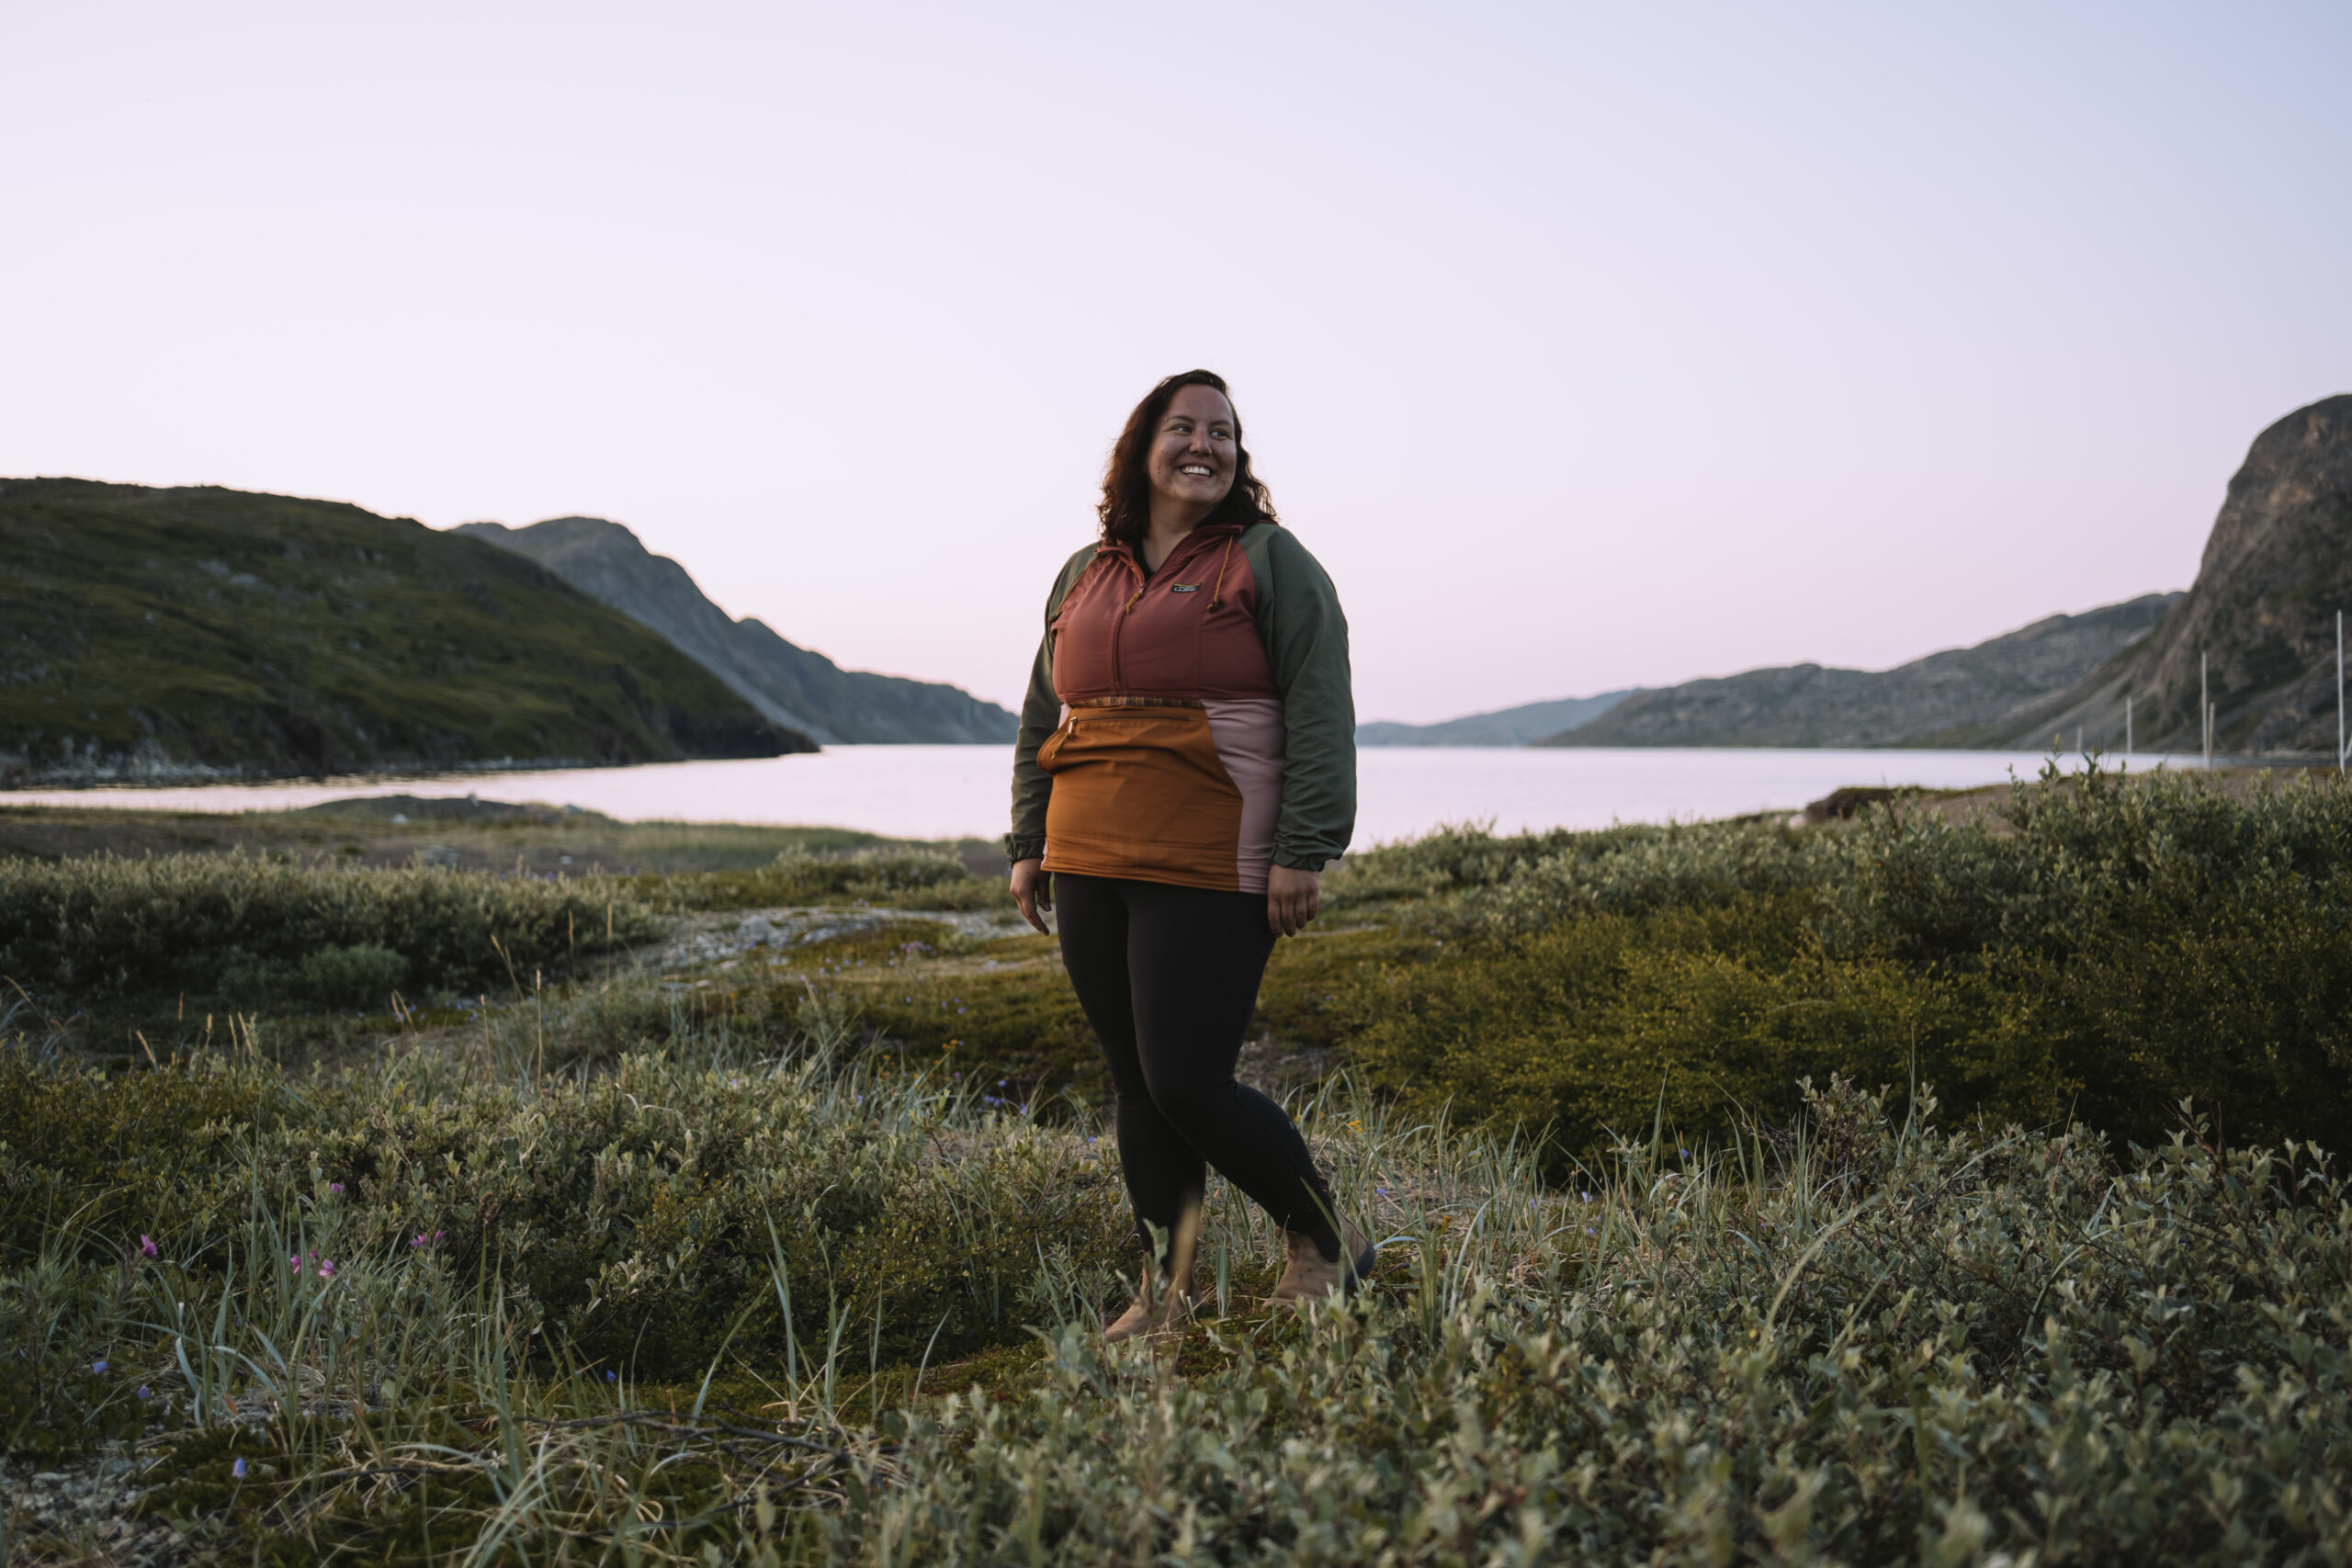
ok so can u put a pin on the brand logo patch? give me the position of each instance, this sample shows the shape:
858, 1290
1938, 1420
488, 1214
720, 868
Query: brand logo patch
1185, 588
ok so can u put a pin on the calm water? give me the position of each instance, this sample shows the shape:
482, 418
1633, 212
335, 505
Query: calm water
939, 791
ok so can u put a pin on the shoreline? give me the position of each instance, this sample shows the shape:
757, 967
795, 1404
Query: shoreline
197, 776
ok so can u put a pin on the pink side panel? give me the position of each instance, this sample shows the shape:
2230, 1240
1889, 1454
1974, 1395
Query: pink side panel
1251, 743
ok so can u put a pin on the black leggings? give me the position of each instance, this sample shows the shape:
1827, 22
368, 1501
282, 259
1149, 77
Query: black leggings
1169, 978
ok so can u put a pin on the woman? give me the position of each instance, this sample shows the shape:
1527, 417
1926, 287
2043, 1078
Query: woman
1186, 765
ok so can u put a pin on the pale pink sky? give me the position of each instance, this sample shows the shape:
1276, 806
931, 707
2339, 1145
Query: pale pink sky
1587, 346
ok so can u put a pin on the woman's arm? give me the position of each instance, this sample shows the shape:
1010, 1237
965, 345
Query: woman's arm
1041, 714
1307, 643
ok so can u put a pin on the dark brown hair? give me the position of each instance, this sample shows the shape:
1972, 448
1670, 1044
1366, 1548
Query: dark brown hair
1126, 507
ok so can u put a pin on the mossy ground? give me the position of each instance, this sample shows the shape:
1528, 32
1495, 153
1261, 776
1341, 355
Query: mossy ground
543, 840
784, 1238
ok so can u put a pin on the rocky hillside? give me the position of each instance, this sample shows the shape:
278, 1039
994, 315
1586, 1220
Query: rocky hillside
2278, 567
791, 685
148, 635
1504, 727
1953, 698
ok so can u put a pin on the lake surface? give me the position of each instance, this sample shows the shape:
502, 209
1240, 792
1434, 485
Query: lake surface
942, 792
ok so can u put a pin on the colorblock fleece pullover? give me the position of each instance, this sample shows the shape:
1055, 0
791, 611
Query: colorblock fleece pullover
1191, 725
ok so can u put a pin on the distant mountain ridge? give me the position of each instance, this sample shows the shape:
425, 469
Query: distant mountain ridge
1504, 727
152, 635
791, 685
1944, 699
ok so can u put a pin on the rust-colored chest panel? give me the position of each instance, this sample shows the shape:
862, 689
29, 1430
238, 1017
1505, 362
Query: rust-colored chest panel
1189, 632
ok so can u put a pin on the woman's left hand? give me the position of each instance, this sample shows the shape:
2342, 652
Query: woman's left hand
1293, 898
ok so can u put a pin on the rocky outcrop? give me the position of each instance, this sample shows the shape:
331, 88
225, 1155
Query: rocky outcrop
2277, 568
790, 684
1951, 698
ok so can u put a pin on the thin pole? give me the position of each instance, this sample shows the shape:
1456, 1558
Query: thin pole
2339, 693
2205, 710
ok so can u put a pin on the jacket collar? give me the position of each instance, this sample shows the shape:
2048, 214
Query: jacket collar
1207, 533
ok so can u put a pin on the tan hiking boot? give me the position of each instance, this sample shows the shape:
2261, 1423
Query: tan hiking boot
1311, 1277
1148, 1316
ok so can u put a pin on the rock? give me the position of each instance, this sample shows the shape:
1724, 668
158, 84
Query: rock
2277, 568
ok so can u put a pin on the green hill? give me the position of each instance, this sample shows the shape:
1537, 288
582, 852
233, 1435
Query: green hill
148, 635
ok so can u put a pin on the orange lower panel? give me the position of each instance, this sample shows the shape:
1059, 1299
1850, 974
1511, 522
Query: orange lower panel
1140, 793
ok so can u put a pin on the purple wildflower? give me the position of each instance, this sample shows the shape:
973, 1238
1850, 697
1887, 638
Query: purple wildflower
334, 1189
237, 1470
147, 1246
97, 1366
326, 1269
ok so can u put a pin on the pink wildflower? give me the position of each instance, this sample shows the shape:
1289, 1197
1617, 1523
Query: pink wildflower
147, 1247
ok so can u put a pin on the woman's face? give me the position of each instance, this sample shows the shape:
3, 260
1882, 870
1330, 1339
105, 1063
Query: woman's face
1192, 454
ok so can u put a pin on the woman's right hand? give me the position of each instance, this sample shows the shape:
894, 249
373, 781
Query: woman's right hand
1031, 891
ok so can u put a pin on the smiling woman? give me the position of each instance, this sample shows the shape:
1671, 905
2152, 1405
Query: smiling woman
1186, 766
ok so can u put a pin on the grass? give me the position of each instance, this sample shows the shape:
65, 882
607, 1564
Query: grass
1860, 1338
457, 834
447, 833
743, 1252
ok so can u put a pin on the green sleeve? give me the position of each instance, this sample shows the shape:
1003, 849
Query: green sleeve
1041, 714
1307, 642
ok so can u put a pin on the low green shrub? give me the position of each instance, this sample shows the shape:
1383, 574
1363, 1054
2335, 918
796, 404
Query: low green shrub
1448, 860
1860, 1343
2102, 950
628, 1211
2074, 859
887, 878
244, 930
331, 976
1636, 870
102, 1157
1848, 1338
59, 1393
1591, 1026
